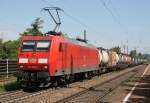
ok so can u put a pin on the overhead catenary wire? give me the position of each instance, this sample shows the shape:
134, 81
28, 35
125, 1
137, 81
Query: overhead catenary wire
109, 10
46, 2
115, 18
76, 20
85, 25
115, 15
73, 18
114, 9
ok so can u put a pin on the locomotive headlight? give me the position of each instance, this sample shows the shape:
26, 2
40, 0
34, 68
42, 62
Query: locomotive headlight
21, 66
23, 60
45, 67
42, 61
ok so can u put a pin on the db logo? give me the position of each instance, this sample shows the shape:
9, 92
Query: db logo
33, 60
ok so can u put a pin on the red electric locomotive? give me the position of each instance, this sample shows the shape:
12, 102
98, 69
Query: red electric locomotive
44, 60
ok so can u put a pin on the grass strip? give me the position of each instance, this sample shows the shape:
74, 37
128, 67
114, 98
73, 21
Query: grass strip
9, 87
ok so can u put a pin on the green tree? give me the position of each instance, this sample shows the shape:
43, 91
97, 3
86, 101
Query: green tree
1, 48
10, 49
35, 28
133, 53
147, 57
140, 55
116, 49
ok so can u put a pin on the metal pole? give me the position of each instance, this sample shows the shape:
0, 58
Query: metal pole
124, 48
127, 47
7, 67
85, 35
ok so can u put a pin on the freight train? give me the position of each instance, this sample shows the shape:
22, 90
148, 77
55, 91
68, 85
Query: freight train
55, 58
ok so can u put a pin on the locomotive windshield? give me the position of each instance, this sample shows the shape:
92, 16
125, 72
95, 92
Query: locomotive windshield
42, 45
38, 45
28, 46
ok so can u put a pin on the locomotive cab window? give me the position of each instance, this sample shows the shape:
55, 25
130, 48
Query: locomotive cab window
35, 46
28, 45
42, 45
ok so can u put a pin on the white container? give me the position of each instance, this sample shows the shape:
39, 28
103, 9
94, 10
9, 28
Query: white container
100, 55
105, 56
117, 58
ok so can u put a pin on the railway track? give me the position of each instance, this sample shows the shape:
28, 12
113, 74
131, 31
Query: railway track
20, 95
96, 93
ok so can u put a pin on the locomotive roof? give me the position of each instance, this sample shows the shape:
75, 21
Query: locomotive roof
68, 39
36, 37
81, 43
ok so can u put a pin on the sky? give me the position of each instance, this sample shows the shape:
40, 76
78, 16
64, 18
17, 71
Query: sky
108, 23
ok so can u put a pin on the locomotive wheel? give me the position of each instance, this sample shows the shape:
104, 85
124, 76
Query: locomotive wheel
67, 77
55, 84
72, 78
89, 75
99, 72
62, 81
